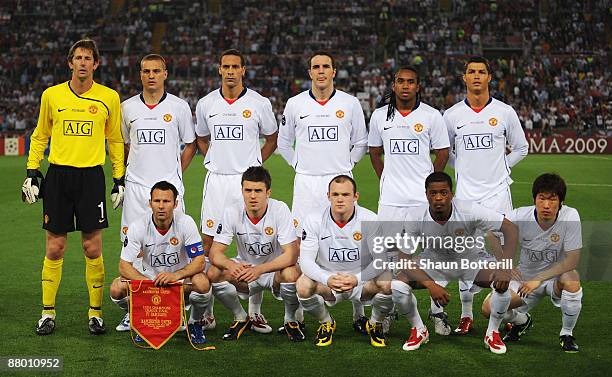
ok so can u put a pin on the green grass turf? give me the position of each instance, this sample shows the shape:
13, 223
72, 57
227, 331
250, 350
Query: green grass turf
538, 353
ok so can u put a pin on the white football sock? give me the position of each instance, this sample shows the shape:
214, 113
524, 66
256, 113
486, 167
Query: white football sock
288, 293
571, 303
499, 306
255, 301
199, 302
406, 303
381, 307
315, 306
227, 294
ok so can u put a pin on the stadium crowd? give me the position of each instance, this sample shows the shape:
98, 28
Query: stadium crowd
549, 58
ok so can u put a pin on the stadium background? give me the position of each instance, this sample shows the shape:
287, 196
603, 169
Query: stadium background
549, 60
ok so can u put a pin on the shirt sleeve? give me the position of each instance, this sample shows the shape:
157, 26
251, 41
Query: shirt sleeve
125, 125
374, 136
309, 248
193, 240
114, 138
516, 139
450, 130
573, 235
286, 134
132, 245
40, 137
186, 127
225, 230
439, 134
201, 127
267, 122
286, 230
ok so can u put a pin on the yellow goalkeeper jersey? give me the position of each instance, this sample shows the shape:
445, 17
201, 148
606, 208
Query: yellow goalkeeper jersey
78, 125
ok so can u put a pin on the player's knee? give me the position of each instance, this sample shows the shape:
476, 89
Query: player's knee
304, 286
384, 287
92, 247
200, 283
289, 274
214, 274
570, 281
117, 289
55, 248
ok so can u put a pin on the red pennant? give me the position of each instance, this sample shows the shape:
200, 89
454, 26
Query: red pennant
155, 312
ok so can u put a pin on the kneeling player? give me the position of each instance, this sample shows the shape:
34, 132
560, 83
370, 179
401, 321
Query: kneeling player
332, 258
171, 237
551, 239
267, 254
443, 220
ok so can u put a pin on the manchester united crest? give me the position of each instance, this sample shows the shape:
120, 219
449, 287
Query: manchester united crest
555, 237
246, 113
492, 122
295, 223
340, 114
124, 230
93, 109
173, 241
269, 231
156, 299
418, 127
357, 236
167, 117
210, 223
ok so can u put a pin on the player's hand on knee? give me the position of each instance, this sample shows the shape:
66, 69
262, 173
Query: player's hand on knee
31, 188
117, 192
528, 287
336, 283
439, 294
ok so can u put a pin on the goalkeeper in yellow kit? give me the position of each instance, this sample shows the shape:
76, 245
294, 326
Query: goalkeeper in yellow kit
79, 116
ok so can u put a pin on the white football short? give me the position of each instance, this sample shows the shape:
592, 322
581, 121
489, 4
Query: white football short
136, 205
309, 195
465, 276
220, 191
545, 289
354, 295
500, 202
264, 282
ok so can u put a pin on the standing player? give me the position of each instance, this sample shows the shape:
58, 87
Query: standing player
267, 254
479, 128
336, 267
171, 250
448, 229
328, 128
78, 116
230, 122
551, 239
154, 125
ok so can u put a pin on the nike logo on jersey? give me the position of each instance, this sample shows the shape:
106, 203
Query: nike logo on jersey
213, 115
460, 127
240, 234
324, 238
149, 245
304, 116
60, 110
387, 128
133, 120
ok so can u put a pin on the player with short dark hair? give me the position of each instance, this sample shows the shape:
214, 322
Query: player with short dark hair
230, 122
479, 129
337, 267
442, 219
551, 240
328, 129
267, 254
79, 116
174, 237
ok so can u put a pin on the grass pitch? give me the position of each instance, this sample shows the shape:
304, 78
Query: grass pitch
589, 181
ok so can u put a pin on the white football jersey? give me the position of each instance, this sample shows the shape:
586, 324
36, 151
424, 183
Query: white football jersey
540, 249
234, 130
162, 253
155, 137
468, 219
323, 134
334, 248
482, 168
261, 242
407, 141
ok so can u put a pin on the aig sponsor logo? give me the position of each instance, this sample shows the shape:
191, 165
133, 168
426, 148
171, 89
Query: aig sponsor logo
322, 133
228, 132
164, 260
478, 141
151, 136
404, 146
343, 254
78, 127
258, 249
